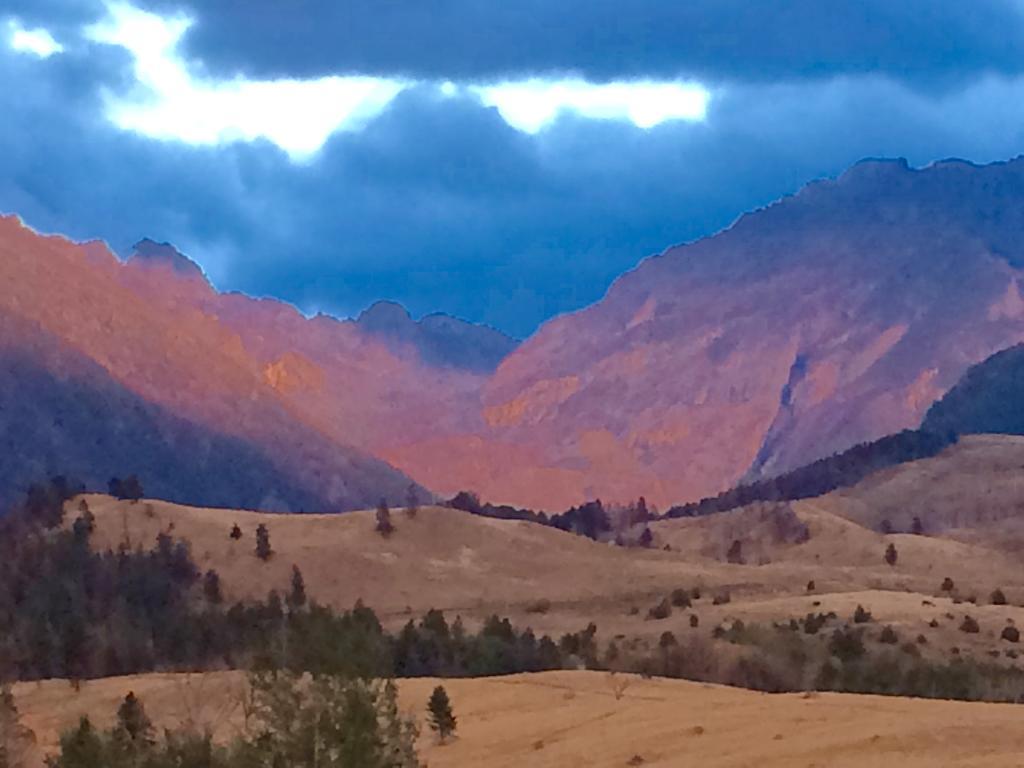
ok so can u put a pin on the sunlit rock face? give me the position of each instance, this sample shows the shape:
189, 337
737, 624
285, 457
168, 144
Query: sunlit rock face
832, 317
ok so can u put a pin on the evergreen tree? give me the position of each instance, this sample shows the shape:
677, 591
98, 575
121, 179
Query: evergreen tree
236, 532
735, 553
891, 555
132, 721
412, 501
297, 597
263, 549
384, 525
82, 747
211, 587
129, 488
439, 708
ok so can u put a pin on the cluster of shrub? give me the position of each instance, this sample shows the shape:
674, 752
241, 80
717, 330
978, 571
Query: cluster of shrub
792, 656
624, 525
840, 470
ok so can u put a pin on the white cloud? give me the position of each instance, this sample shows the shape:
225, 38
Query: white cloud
174, 100
37, 41
175, 103
532, 104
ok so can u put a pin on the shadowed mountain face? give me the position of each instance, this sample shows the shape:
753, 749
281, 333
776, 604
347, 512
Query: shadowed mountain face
111, 368
62, 414
830, 318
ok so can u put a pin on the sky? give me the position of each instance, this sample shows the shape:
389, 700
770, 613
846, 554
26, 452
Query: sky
499, 160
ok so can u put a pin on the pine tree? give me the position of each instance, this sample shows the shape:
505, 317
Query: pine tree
132, 721
735, 553
384, 525
263, 549
399, 733
442, 721
81, 748
211, 587
412, 502
236, 532
297, 597
891, 555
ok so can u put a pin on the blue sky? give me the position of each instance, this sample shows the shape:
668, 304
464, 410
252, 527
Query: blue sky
498, 160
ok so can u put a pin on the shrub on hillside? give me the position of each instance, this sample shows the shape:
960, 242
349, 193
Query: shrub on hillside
660, 611
969, 625
861, 615
997, 597
891, 555
888, 636
539, 606
947, 585
846, 644
680, 598
1010, 634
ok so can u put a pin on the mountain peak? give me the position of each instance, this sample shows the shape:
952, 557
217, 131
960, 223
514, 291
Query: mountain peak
152, 252
440, 340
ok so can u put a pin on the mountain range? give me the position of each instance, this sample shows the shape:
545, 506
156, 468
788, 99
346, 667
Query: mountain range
829, 318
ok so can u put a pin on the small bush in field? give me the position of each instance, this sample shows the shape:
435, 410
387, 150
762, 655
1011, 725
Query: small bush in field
694, 621
947, 585
888, 636
1010, 634
969, 625
539, 606
722, 598
660, 611
861, 615
997, 597
680, 598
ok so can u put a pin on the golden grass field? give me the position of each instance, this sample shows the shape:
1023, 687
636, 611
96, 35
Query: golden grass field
574, 720
971, 499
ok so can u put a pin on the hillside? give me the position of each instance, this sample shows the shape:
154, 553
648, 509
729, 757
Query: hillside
987, 399
971, 490
558, 719
474, 567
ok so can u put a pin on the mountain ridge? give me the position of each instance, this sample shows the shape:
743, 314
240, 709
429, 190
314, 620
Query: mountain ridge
829, 318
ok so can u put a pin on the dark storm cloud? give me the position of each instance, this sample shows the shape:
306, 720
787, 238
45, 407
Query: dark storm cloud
439, 203
925, 41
